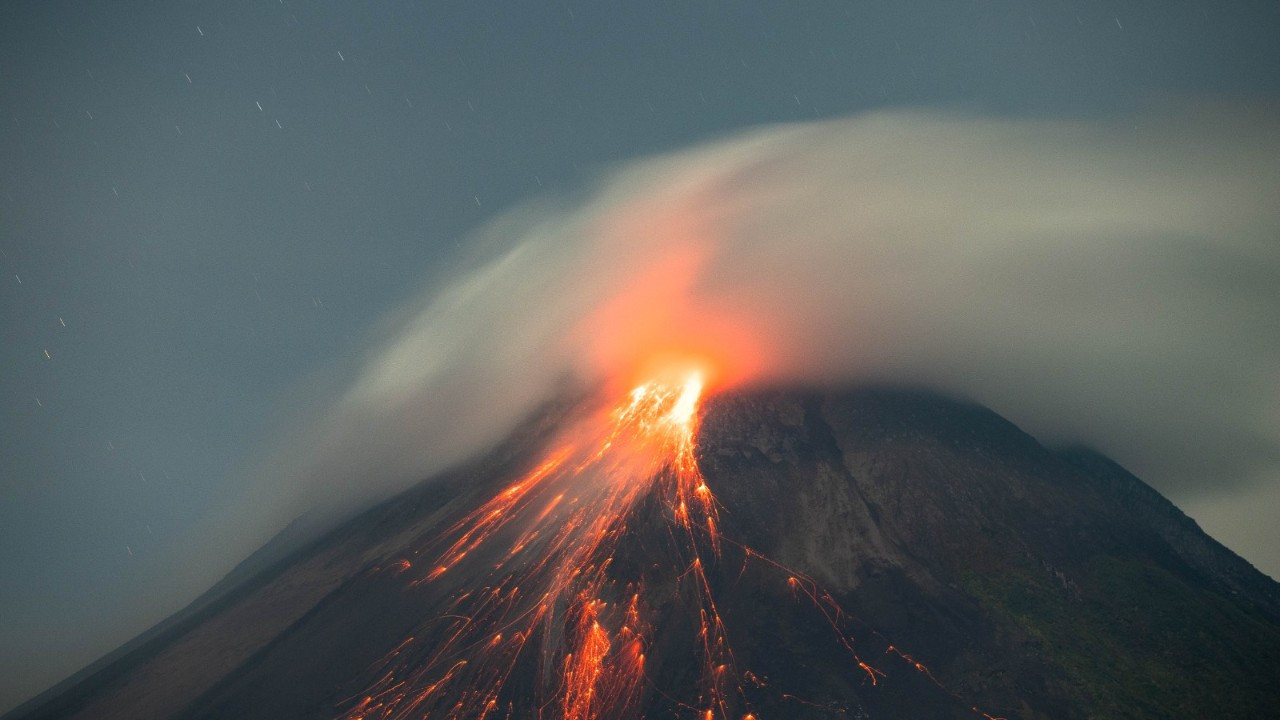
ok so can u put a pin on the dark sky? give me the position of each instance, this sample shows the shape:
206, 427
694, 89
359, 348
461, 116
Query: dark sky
201, 204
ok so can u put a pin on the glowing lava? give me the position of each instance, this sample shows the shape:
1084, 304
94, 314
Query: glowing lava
535, 588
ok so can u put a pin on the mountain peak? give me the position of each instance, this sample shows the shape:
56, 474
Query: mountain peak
886, 553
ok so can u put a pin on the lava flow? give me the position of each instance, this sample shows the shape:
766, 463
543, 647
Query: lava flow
538, 586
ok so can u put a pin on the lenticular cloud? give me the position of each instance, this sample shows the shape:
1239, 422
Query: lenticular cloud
1106, 282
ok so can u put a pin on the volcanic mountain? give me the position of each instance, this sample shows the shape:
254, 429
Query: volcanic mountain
871, 553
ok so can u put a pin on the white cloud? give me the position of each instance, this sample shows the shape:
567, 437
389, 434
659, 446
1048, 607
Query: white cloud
1115, 283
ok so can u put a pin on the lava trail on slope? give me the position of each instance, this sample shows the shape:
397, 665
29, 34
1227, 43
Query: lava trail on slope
595, 585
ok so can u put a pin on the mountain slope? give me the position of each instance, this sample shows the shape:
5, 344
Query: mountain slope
1026, 583
1049, 585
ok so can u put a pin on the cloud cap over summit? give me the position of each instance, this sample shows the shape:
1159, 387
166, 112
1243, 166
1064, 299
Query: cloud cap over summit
1106, 282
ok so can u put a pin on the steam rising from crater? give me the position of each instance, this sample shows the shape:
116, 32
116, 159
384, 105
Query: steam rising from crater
1115, 283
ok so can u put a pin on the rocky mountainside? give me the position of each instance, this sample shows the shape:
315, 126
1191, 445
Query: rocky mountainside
1042, 584
975, 571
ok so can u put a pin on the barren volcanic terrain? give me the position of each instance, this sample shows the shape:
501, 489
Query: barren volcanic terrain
873, 553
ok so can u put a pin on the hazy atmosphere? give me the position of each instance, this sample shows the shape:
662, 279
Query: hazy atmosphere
263, 258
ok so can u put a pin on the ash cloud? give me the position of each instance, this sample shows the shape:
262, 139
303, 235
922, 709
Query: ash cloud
1108, 282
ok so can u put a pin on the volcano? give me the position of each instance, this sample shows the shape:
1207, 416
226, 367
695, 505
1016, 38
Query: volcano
868, 553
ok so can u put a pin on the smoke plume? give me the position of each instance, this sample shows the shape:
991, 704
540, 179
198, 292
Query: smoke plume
1114, 283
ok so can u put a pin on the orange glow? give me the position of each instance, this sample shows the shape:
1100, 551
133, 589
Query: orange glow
685, 408
657, 321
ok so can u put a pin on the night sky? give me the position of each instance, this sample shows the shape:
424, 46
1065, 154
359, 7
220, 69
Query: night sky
204, 205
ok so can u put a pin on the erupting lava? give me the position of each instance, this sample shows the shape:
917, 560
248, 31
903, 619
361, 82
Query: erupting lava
536, 586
